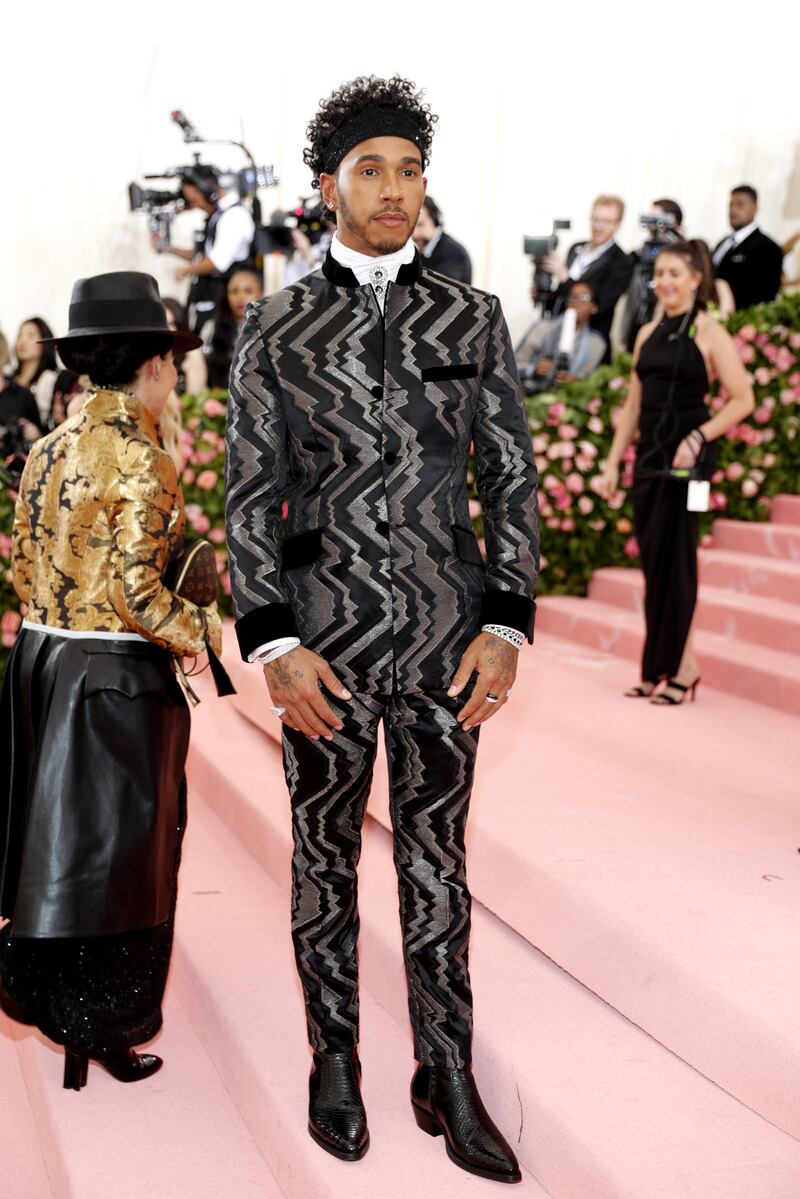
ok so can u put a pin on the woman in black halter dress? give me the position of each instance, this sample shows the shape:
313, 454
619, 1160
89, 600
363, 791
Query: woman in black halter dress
674, 359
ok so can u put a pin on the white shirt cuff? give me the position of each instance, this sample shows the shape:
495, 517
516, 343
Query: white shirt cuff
262, 651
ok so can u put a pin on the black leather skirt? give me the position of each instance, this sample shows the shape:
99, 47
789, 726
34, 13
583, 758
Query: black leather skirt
93, 741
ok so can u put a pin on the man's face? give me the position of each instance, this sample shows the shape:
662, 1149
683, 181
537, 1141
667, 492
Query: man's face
424, 229
741, 210
582, 301
377, 193
605, 221
194, 198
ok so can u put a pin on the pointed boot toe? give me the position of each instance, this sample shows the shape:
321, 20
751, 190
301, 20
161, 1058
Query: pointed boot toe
337, 1120
446, 1103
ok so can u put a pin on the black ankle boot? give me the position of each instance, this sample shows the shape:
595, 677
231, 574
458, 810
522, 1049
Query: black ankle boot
126, 1065
336, 1117
446, 1103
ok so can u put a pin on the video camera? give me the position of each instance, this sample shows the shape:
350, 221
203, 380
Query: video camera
162, 206
538, 248
640, 301
308, 217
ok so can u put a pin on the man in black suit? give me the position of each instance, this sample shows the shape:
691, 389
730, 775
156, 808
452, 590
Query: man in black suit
747, 259
599, 261
444, 254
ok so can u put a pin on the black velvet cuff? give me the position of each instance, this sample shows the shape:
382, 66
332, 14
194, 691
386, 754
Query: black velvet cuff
514, 611
265, 624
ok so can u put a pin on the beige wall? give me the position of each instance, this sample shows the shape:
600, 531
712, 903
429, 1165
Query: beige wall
538, 112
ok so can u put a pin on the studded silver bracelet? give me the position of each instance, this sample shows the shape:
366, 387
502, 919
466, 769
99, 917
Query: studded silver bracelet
512, 636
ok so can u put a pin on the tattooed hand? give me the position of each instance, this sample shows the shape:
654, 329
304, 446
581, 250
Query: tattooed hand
496, 663
293, 681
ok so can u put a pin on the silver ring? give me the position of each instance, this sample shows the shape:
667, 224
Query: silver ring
492, 699
277, 711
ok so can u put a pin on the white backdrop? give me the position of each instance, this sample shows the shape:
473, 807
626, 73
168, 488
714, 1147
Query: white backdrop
540, 109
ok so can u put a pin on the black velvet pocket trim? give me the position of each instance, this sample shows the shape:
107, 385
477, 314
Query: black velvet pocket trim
514, 611
264, 624
467, 546
455, 370
301, 548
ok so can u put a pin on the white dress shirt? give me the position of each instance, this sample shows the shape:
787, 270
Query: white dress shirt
585, 257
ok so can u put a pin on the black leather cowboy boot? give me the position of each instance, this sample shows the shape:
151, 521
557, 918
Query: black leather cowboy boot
446, 1103
337, 1120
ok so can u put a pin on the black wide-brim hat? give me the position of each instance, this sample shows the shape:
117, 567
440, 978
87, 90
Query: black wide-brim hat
120, 302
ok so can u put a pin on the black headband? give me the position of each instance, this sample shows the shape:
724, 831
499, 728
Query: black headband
378, 121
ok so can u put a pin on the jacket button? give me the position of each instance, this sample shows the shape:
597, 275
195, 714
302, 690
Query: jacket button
389, 458
382, 527
377, 392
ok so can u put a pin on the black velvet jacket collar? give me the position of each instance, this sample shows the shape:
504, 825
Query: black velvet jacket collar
342, 276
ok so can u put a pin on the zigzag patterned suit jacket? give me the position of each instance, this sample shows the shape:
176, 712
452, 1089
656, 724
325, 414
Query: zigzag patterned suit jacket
364, 424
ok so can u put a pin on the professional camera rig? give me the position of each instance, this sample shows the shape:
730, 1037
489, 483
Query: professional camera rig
640, 300
162, 206
537, 249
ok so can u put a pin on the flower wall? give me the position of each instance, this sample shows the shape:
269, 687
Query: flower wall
571, 433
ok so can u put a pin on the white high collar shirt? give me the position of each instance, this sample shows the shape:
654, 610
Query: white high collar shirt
375, 271
734, 239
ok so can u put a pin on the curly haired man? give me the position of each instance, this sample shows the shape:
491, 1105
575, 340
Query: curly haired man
356, 396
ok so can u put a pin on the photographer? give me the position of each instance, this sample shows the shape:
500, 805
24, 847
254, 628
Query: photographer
539, 355
664, 226
599, 261
443, 252
227, 238
19, 421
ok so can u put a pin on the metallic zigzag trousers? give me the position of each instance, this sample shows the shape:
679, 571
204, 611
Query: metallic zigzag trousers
431, 766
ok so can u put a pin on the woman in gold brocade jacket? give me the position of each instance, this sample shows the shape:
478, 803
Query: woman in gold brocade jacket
94, 726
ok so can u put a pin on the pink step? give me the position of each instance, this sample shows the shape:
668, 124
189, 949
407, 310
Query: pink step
737, 571
235, 972
786, 509
767, 538
177, 1134
596, 1108
735, 615
25, 1171
752, 672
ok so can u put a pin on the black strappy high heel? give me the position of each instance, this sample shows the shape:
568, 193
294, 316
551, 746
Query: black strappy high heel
638, 692
665, 700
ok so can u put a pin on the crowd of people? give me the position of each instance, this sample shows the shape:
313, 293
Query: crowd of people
358, 583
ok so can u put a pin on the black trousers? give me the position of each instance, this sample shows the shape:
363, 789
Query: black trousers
431, 766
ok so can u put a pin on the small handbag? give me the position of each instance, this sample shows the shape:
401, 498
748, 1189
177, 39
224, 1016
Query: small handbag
192, 575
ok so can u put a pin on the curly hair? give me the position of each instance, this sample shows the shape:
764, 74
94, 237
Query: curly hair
367, 91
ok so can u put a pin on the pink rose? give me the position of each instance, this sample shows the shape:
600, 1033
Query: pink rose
540, 443
597, 525
574, 483
556, 413
588, 449
551, 483
217, 536
567, 524
794, 341
758, 475
594, 406
541, 463
617, 500
193, 422
747, 354
762, 375
631, 548
543, 562
583, 464
201, 524
787, 396
762, 339
207, 480
5, 545
749, 488
567, 432
595, 425
770, 460
761, 415
617, 383
563, 502
718, 501
784, 359
734, 472
474, 508
624, 525
188, 475
707, 540
717, 403
213, 407
585, 505
553, 522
